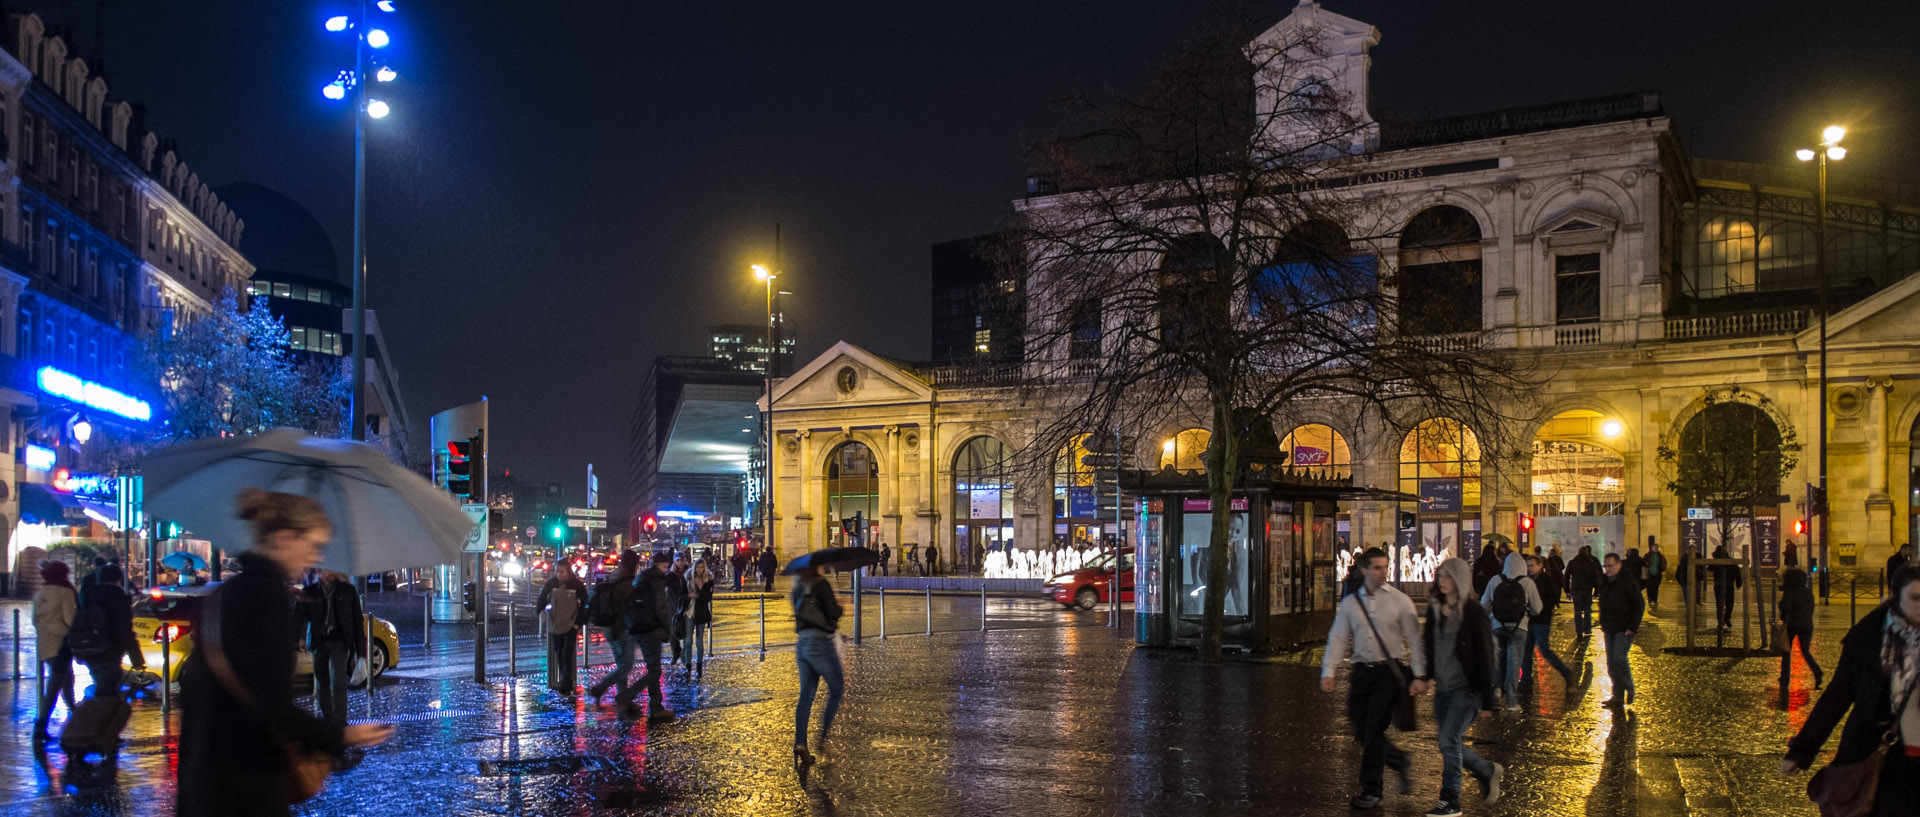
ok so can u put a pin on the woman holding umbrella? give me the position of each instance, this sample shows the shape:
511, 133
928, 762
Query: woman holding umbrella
241, 728
816, 625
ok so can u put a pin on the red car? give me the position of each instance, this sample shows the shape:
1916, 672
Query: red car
1090, 586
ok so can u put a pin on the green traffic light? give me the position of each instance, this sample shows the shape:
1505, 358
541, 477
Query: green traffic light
556, 533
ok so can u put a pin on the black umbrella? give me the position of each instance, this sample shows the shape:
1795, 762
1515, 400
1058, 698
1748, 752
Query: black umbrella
835, 558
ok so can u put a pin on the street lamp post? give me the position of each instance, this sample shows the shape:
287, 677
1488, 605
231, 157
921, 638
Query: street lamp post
768, 276
352, 82
1829, 148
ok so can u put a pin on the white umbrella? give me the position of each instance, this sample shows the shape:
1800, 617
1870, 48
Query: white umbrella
384, 516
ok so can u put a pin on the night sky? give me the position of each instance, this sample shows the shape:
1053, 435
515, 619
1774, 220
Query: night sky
567, 189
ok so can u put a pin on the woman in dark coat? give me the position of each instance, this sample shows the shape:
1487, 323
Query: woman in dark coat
1796, 611
1879, 666
106, 593
233, 758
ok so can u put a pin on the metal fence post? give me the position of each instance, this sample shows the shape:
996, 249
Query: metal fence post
1852, 598
16, 644
763, 627
983, 606
513, 655
166, 663
858, 597
929, 610
883, 613
426, 621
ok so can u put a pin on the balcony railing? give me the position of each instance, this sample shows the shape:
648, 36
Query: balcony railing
1585, 335
1738, 325
970, 375
1448, 344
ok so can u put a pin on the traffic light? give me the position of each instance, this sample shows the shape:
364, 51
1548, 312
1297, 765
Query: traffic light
1799, 527
1816, 500
1526, 523
1408, 521
460, 467
557, 530
466, 596
650, 523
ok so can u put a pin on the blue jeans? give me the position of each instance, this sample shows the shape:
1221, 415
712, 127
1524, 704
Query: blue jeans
622, 667
1513, 653
1453, 712
697, 642
1805, 637
817, 659
1540, 633
649, 652
1618, 670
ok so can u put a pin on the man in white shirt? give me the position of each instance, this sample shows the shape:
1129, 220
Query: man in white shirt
1375, 625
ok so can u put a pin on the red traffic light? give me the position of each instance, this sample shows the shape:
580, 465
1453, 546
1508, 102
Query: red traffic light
649, 523
1526, 522
1799, 527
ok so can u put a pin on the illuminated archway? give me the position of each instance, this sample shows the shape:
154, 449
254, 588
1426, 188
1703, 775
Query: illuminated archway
982, 502
1440, 462
853, 487
1318, 446
1186, 451
1579, 484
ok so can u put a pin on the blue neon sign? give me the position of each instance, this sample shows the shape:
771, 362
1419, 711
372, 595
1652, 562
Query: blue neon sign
93, 395
40, 458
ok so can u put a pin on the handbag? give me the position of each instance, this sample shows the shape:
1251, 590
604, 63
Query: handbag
1780, 637
1405, 718
1847, 789
307, 770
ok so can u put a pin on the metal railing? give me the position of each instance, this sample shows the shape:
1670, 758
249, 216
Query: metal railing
1576, 335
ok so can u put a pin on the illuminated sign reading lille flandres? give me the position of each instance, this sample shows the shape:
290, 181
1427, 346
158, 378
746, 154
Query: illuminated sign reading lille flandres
93, 395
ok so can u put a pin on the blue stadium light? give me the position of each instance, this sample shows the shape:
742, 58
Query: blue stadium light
377, 109
378, 38
385, 74
337, 23
334, 90
385, 5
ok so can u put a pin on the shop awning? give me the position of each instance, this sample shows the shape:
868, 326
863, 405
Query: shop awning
42, 504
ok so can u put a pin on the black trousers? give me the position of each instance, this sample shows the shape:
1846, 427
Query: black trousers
563, 659
1899, 794
1371, 693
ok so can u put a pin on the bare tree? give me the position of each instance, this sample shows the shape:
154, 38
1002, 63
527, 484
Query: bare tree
1200, 258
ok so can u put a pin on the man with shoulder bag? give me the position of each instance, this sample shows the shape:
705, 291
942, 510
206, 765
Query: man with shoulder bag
1377, 626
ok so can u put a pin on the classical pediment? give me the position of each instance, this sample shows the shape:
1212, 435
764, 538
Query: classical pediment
1888, 317
847, 374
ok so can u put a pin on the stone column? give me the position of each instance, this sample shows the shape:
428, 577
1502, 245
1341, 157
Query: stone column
801, 532
891, 509
1881, 537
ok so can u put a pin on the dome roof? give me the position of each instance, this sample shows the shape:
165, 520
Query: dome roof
281, 235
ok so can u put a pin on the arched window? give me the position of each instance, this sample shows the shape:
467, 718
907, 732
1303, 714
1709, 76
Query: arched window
1317, 446
1186, 451
982, 502
1439, 277
1313, 264
853, 485
1730, 456
1435, 455
1193, 295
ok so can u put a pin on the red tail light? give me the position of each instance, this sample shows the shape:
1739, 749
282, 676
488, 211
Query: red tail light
169, 631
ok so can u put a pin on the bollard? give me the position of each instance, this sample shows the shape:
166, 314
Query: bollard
166, 666
513, 657
858, 597
1852, 599
929, 610
426, 621
883, 614
983, 606
763, 627
16, 644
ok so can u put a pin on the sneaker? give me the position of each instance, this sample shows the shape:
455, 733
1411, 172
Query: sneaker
1513, 707
1445, 808
1491, 785
1364, 801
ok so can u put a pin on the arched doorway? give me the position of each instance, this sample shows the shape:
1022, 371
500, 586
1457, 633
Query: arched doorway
1185, 451
1579, 485
1731, 459
982, 504
1440, 462
1439, 276
853, 488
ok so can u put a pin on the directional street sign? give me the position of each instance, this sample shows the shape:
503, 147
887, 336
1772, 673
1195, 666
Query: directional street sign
576, 522
476, 538
1699, 513
588, 513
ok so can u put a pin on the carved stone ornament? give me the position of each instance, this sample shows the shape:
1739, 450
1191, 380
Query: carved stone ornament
846, 380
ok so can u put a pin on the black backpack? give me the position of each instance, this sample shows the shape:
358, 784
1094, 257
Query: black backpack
600, 611
643, 606
1509, 602
91, 636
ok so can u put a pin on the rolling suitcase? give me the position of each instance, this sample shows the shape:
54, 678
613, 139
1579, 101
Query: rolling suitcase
95, 726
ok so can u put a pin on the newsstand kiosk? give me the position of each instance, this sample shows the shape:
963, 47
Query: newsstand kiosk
1281, 585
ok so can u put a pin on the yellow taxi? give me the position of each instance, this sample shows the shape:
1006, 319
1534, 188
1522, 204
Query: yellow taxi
163, 622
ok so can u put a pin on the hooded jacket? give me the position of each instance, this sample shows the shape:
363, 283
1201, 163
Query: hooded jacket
1472, 644
1796, 601
1515, 570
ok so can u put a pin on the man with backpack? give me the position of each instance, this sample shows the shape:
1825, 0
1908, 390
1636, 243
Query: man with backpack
649, 615
1583, 577
563, 601
1511, 600
606, 608
102, 632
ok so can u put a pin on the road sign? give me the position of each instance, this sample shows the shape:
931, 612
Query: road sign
1700, 513
576, 522
476, 538
589, 513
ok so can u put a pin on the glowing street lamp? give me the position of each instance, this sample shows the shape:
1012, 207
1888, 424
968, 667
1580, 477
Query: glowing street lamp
1829, 149
353, 81
767, 276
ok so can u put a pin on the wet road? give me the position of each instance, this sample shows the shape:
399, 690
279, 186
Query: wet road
1064, 720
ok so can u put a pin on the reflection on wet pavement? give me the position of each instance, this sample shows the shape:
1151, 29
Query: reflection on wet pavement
1066, 718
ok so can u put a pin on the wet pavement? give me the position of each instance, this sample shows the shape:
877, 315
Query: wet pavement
1052, 713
